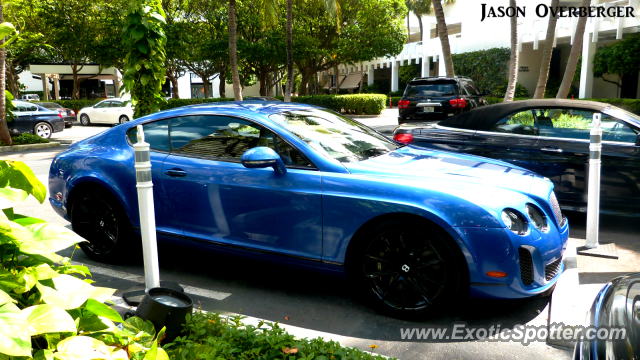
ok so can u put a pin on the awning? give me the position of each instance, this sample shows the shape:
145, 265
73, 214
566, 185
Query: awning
328, 84
351, 82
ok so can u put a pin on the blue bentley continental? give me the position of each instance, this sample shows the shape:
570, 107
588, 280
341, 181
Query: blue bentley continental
413, 228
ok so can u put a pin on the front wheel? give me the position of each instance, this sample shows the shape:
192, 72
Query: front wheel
97, 216
84, 119
406, 268
43, 129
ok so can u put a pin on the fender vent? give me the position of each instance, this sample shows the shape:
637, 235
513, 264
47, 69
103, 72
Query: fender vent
556, 209
526, 266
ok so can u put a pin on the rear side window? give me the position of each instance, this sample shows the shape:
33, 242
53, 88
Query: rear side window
431, 89
521, 123
155, 133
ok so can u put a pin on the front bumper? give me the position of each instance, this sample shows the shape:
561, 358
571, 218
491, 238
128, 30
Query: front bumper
498, 249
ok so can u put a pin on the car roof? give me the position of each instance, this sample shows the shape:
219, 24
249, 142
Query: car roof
261, 107
482, 118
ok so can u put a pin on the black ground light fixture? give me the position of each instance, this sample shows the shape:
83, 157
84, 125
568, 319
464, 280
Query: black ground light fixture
162, 303
165, 308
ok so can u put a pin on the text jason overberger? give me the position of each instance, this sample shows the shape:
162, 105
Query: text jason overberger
543, 10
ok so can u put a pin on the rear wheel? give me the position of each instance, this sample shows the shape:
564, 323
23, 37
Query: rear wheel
43, 129
406, 268
84, 120
97, 216
123, 119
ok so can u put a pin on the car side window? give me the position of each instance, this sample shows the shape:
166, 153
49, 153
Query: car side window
290, 155
116, 104
103, 105
220, 137
20, 107
577, 124
32, 107
521, 123
155, 133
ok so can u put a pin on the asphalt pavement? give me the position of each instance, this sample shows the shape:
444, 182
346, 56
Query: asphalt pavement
308, 300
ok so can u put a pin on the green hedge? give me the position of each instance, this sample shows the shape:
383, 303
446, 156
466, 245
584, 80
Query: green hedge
75, 105
357, 104
487, 68
631, 105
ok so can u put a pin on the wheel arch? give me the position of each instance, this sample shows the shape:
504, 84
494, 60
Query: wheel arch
85, 184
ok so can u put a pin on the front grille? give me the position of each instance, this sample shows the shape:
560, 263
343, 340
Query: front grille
551, 270
556, 209
526, 266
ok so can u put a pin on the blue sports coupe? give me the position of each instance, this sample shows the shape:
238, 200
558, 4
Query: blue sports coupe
413, 228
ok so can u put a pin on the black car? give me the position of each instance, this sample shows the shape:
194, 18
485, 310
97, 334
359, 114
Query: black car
68, 115
35, 119
617, 308
437, 98
551, 138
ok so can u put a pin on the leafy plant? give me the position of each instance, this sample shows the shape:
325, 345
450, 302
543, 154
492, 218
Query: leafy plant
210, 336
48, 308
521, 91
144, 70
26, 138
619, 58
487, 68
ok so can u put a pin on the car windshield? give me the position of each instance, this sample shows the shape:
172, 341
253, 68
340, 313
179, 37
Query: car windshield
434, 89
50, 105
335, 136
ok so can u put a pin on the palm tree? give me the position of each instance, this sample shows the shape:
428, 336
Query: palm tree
289, 84
546, 53
419, 8
444, 37
233, 51
513, 68
576, 48
5, 137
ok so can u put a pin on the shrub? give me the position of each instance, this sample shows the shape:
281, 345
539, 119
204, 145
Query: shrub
394, 100
27, 138
75, 105
174, 103
487, 68
229, 338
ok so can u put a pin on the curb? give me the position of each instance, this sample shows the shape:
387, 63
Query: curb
12, 148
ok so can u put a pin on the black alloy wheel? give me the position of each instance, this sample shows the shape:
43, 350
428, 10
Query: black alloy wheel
98, 218
405, 268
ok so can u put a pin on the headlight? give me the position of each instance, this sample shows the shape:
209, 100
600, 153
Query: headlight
514, 221
538, 219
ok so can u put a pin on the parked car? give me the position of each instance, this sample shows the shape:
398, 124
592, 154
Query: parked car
111, 111
68, 115
551, 138
413, 228
30, 97
616, 305
436, 98
35, 119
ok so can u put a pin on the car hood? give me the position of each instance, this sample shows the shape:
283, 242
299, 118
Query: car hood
420, 164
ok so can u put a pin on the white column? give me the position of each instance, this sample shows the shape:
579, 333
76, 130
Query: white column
586, 73
442, 70
394, 75
370, 75
425, 66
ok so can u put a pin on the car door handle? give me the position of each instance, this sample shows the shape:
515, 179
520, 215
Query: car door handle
176, 173
551, 149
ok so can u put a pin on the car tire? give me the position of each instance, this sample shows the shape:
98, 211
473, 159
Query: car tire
84, 120
407, 268
98, 217
43, 129
67, 126
123, 119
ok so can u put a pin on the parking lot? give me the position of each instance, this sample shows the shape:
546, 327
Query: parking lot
325, 305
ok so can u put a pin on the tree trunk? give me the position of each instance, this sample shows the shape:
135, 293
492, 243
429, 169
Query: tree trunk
304, 83
546, 53
337, 72
12, 82
408, 28
206, 83
361, 78
289, 85
576, 49
420, 23
5, 137
444, 37
222, 85
174, 84
233, 51
264, 83
513, 69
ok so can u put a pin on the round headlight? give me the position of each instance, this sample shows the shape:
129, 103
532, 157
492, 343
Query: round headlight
538, 219
514, 221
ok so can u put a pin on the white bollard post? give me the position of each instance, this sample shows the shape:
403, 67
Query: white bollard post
593, 200
147, 212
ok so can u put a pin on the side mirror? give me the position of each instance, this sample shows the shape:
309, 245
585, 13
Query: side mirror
263, 157
486, 92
